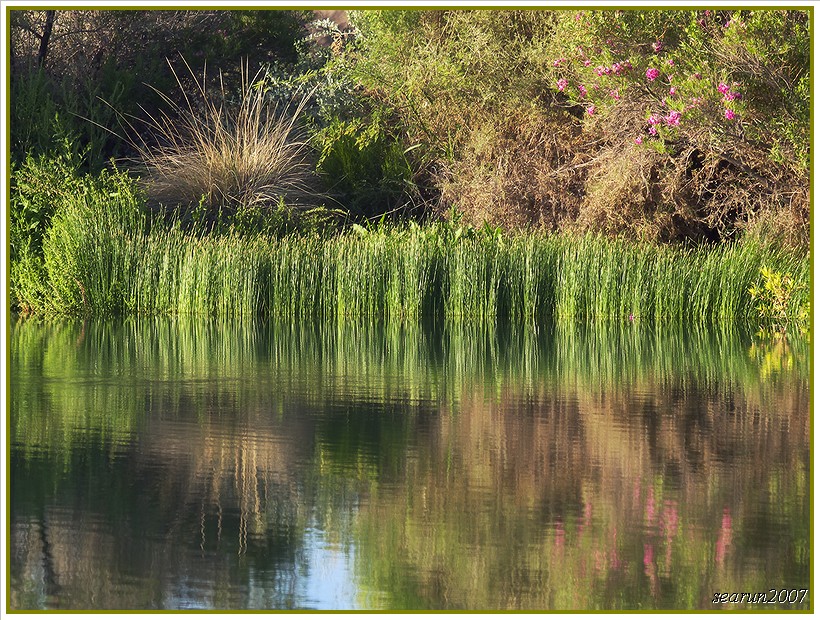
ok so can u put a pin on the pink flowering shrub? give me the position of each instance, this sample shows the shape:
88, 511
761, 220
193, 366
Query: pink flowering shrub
751, 63
724, 93
720, 101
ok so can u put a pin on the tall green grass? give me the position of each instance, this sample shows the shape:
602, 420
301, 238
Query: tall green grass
103, 255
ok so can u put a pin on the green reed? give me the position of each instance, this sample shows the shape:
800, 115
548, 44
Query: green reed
104, 256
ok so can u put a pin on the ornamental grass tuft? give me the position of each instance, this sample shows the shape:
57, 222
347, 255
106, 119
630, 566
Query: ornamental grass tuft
227, 152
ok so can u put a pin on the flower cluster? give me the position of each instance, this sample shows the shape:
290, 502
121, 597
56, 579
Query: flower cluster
608, 81
728, 95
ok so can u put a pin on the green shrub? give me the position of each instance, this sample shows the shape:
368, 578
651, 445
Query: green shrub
92, 248
782, 301
363, 159
48, 111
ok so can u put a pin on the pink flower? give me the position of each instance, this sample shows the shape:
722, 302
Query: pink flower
582, 90
614, 94
723, 88
601, 70
556, 63
638, 140
729, 114
652, 74
731, 96
653, 131
562, 84
657, 46
653, 120
673, 91
591, 110
671, 62
587, 62
673, 118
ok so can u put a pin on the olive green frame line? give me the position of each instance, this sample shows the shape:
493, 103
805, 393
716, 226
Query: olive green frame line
602, 7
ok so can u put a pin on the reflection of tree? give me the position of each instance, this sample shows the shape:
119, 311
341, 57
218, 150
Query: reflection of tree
563, 500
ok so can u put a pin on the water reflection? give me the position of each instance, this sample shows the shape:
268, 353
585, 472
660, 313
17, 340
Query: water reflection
193, 464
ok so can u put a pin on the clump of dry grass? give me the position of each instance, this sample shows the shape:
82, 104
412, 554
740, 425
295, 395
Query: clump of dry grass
227, 153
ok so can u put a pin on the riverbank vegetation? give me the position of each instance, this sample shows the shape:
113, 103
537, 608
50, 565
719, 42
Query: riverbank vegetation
456, 165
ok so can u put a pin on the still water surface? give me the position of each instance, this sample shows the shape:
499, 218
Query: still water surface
170, 464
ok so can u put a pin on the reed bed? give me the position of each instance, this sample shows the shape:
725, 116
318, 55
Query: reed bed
108, 259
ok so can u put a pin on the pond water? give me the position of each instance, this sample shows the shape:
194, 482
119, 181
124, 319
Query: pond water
194, 464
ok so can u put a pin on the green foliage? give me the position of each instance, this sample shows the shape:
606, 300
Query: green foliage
782, 301
38, 185
498, 100
367, 169
362, 154
50, 111
92, 248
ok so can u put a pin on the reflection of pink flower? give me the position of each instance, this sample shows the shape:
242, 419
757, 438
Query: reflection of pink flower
650, 497
670, 518
724, 538
648, 556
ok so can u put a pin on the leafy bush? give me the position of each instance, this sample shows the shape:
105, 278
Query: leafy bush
668, 124
782, 301
468, 87
366, 165
72, 236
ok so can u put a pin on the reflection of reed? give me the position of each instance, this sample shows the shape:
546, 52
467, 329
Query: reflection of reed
547, 449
